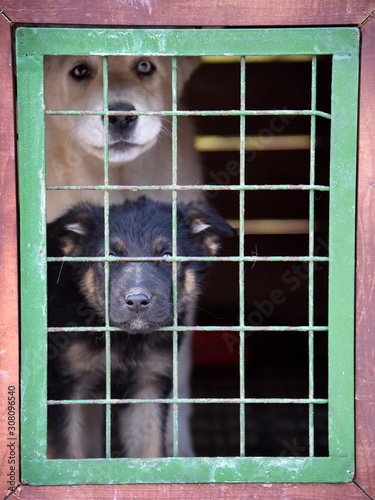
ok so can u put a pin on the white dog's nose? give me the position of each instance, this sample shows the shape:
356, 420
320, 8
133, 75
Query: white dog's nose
120, 125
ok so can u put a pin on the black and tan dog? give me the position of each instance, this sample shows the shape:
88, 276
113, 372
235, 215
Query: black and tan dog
139, 303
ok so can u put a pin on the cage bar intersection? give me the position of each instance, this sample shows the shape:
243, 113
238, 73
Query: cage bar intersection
341, 44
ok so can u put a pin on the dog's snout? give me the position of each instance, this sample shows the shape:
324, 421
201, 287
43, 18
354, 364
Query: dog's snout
121, 123
137, 302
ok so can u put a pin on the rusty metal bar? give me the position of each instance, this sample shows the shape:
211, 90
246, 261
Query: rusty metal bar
56, 329
194, 187
301, 401
174, 254
241, 265
234, 258
311, 253
224, 112
106, 263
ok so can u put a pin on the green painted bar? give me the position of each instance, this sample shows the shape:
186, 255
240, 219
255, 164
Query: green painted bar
204, 187
302, 401
225, 329
342, 251
191, 470
200, 329
311, 252
233, 112
106, 264
32, 44
192, 42
250, 258
33, 269
241, 266
174, 253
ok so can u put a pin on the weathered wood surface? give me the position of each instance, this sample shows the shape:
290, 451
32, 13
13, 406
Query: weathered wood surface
197, 492
365, 344
192, 12
9, 348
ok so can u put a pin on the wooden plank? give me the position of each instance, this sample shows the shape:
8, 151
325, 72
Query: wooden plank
193, 12
8, 267
196, 491
365, 362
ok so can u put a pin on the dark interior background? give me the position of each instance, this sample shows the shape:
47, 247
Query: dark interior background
276, 293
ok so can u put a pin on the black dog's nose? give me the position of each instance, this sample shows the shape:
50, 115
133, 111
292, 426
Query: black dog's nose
122, 123
137, 302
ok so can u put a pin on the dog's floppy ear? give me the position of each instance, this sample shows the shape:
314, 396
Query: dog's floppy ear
66, 234
186, 67
206, 225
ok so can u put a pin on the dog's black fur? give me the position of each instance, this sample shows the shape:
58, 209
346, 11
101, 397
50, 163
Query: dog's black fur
140, 302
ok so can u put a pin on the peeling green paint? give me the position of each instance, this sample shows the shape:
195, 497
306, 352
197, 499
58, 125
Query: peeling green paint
342, 43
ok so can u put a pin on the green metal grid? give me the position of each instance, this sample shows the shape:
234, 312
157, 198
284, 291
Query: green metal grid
342, 44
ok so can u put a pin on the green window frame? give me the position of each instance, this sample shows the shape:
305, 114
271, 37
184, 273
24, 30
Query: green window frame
342, 44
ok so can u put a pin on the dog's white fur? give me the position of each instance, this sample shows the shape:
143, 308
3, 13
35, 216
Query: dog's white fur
75, 150
75, 144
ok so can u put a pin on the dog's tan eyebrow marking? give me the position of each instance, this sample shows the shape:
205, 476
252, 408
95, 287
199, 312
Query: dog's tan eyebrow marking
119, 245
159, 244
212, 245
68, 248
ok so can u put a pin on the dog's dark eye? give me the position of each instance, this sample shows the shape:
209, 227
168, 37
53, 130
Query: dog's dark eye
145, 67
80, 72
166, 255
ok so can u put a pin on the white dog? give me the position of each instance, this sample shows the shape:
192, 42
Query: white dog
140, 147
